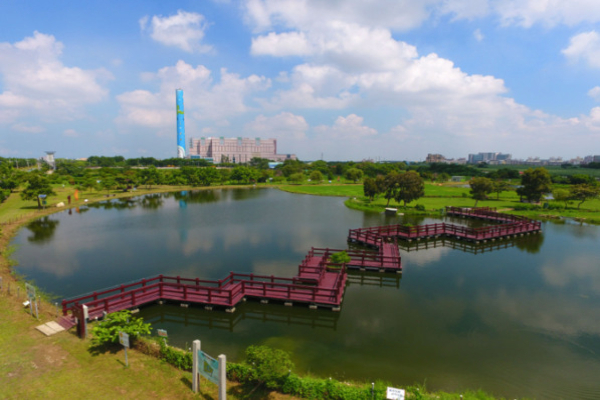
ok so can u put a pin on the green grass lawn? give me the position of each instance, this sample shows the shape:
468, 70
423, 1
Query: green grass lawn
438, 196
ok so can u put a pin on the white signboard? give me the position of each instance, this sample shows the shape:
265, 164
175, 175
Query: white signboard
395, 394
124, 339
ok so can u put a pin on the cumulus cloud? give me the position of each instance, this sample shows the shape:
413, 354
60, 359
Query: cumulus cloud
405, 14
184, 30
584, 46
351, 62
396, 14
594, 92
38, 84
204, 99
350, 127
526, 13
284, 125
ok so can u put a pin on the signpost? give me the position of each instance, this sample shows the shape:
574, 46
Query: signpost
395, 394
163, 334
124, 340
209, 368
30, 296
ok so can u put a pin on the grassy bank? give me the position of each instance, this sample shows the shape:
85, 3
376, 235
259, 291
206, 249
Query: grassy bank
62, 366
439, 196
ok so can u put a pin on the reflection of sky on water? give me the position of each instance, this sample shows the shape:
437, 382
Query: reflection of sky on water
520, 321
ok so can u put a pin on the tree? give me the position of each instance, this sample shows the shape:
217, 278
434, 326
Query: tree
151, 176
37, 185
354, 174
443, 177
370, 188
410, 187
562, 195
584, 192
536, 182
259, 163
480, 188
391, 186
499, 187
316, 176
296, 177
243, 174
9, 178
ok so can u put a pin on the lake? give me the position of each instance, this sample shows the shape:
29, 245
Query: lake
514, 318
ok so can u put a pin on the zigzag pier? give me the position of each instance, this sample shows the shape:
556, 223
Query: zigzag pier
509, 226
318, 284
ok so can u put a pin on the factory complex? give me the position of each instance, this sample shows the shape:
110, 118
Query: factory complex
224, 150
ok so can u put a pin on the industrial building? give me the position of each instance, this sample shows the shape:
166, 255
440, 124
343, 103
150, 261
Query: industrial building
235, 150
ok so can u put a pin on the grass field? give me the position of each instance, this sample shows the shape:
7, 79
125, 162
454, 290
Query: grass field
438, 196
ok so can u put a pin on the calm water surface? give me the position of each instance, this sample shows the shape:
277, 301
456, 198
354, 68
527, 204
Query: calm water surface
520, 320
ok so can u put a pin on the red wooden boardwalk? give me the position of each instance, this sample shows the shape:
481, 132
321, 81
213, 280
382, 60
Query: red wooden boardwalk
509, 225
318, 283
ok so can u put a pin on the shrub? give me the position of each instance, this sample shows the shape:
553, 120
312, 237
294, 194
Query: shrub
107, 331
420, 207
179, 358
270, 365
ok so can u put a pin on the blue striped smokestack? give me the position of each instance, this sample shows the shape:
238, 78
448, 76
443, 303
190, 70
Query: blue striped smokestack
180, 124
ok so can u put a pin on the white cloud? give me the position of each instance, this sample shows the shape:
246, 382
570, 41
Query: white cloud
478, 35
37, 84
406, 14
594, 92
281, 45
21, 127
396, 14
204, 99
584, 46
346, 128
70, 133
285, 125
184, 30
546, 12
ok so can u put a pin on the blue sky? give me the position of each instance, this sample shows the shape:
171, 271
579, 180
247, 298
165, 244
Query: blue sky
348, 80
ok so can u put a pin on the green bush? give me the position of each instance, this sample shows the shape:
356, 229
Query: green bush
420, 207
107, 331
271, 365
179, 358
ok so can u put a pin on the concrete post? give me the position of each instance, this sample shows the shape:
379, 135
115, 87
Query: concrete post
195, 377
85, 317
222, 377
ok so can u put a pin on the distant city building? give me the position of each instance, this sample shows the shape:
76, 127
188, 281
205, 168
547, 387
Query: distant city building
490, 158
236, 150
49, 159
596, 159
435, 158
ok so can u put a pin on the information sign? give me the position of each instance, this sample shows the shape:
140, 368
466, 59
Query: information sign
395, 394
124, 339
30, 291
161, 332
208, 367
